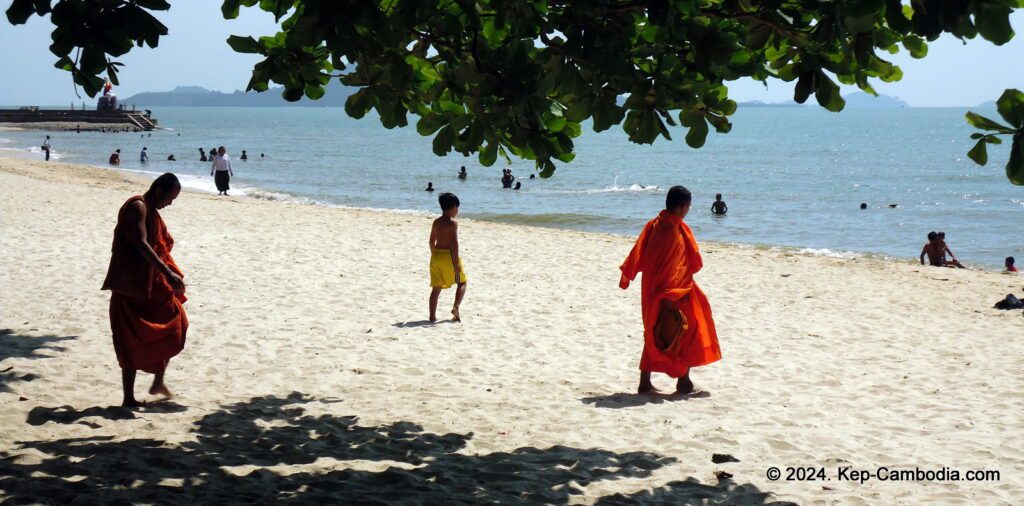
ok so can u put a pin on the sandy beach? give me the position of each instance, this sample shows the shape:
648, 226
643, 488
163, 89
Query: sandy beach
310, 375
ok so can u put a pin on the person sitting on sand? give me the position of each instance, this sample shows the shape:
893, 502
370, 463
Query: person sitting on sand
935, 252
244, 156
445, 264
462, 173
115, 157
202, 155
147, 318
430, 187
1009, 265
719, 208
679, 332
945, 249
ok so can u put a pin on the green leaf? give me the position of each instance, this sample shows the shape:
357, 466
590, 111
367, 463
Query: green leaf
314, 91
1011, 107
443, 142
547, 168
230, 8
828, 94
978, 121
489, 154
698, 133
993, 22
979, 154
1015, 167
804, 86
359, 103
244, 44
916, 45
430, 123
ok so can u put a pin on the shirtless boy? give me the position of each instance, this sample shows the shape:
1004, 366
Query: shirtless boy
445, 264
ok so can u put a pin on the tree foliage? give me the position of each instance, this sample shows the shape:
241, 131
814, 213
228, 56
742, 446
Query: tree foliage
1011, 107
520, 77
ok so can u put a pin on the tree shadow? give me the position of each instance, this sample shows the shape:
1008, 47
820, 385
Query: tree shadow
632, 399
238, 452
14, 345
692, 491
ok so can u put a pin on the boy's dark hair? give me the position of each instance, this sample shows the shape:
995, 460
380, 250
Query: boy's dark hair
932, 235
718, 196
942, 234
1010, 260
677, 196
165, 184
447, 201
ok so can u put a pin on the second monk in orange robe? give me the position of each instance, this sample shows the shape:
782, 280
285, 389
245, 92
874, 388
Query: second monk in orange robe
668, 256
147, 318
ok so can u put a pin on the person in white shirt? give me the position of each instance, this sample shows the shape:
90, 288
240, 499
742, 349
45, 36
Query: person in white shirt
221, 170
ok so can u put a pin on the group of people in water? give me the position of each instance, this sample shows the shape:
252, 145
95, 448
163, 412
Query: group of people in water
507, 179
220, 167
149, 324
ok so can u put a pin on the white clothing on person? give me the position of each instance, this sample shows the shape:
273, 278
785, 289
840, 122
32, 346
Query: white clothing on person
221, 163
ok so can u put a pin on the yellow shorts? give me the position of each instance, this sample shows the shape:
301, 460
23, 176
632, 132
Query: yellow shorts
442, 270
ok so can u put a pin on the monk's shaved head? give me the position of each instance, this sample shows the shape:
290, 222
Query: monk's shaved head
165, 184
678, 196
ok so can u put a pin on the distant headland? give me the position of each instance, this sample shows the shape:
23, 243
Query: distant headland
197, 96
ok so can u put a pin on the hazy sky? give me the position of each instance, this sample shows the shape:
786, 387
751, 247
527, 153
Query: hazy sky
195, 53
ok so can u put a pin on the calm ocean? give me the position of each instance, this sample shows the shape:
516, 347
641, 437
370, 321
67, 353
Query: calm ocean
792, 177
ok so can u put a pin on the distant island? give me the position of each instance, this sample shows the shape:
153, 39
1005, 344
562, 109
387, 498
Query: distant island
856, 100
861, 100
197, 96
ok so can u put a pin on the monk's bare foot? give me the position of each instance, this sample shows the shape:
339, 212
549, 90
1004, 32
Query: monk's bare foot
684, 385
455, 315
161, 389
647, 389
132, 403
433, 318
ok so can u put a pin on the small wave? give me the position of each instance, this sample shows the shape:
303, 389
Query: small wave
4, 141
633, 188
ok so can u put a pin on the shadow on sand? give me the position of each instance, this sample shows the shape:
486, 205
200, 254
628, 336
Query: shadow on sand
632, 399
21, 346
420, 323
269, 431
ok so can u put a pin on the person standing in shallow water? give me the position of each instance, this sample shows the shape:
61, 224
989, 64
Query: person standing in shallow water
679, 331
719, 208
147, 318
221, 171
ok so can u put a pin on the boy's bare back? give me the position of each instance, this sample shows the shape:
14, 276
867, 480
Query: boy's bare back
444, 233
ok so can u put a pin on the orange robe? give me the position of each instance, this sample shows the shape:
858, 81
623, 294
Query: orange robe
147, 318
667, 254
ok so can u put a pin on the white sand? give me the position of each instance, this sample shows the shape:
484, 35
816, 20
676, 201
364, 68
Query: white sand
827, 363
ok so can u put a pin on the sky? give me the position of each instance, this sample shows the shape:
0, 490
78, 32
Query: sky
195, 53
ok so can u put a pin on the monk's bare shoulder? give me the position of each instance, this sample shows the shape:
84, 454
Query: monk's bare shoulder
137, 209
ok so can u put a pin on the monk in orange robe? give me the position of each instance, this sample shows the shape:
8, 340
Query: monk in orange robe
147, 291
667, 253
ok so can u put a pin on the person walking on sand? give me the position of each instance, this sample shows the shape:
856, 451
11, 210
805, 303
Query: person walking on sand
115, 157
445, 262
46, 147
679, 331
221, 171
147, 319
719, 208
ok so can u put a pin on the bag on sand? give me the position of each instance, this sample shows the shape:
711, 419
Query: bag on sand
1010, 302
670, 327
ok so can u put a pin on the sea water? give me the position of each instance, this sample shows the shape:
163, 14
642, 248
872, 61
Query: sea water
791, 176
